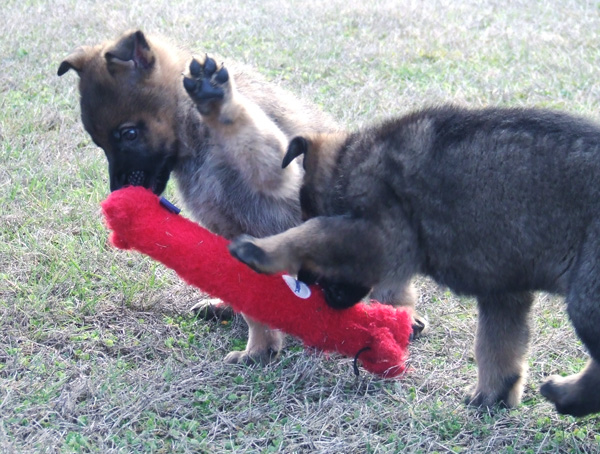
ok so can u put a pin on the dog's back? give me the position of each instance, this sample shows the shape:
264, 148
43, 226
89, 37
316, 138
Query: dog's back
498, 199
501, 199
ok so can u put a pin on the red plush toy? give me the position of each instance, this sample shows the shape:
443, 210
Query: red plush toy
378, 332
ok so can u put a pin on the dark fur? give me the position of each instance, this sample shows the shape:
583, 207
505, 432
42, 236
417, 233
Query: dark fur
494, 203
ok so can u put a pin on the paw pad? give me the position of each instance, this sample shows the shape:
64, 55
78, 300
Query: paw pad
206, 81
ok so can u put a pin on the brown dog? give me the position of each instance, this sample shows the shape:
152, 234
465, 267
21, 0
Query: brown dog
221, 130
494, 203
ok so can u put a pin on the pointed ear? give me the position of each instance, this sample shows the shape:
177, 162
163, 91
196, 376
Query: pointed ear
131, 52
77, 60
298, 146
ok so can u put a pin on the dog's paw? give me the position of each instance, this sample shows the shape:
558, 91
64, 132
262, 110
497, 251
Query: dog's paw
249, 358
572, 395
482, 400
207, 84
212, 309
504, 393
244, 249
420, 326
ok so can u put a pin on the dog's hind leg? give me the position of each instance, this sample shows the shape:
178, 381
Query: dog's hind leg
500, 349
579, 394
575, 395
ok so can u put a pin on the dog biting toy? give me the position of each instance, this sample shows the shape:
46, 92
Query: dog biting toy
378, 333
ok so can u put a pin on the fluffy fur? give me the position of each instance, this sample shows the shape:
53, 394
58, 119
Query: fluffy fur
494, 203
221, 130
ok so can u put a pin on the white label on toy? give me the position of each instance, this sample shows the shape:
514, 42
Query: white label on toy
299, 288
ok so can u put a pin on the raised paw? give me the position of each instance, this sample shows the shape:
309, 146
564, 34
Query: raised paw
244, 249
207, 84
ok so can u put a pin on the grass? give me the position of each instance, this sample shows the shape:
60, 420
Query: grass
98, 352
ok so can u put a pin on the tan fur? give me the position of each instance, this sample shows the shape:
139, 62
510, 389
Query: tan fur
254, 144
227, 159
226, 154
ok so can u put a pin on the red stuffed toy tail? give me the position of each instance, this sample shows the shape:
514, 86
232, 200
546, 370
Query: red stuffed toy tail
380, 332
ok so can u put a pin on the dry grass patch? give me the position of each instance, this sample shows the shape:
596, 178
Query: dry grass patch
98, 352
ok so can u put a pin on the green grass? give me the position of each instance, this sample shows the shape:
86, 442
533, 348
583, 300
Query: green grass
98, 352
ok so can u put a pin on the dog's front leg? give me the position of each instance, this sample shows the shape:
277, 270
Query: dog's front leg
501, 348
338, 249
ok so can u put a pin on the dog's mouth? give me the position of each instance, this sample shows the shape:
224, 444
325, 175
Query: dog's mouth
139, 178
148, 181
136, 178
154, 178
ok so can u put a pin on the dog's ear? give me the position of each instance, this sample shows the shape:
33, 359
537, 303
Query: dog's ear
298, 146
131, 52
77, 60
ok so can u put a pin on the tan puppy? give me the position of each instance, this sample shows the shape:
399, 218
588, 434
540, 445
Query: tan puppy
222, 131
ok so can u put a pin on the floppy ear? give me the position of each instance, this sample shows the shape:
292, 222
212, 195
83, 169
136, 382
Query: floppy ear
131, 52
298, 146
77, 60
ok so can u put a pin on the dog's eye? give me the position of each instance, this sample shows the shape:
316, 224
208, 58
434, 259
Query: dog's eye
128, 133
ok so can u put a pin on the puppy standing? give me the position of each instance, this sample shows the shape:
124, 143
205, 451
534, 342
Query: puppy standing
223, 133
493, 203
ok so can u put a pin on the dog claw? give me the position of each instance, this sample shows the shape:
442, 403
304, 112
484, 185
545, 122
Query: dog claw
195, 68
210, 66
222, 76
